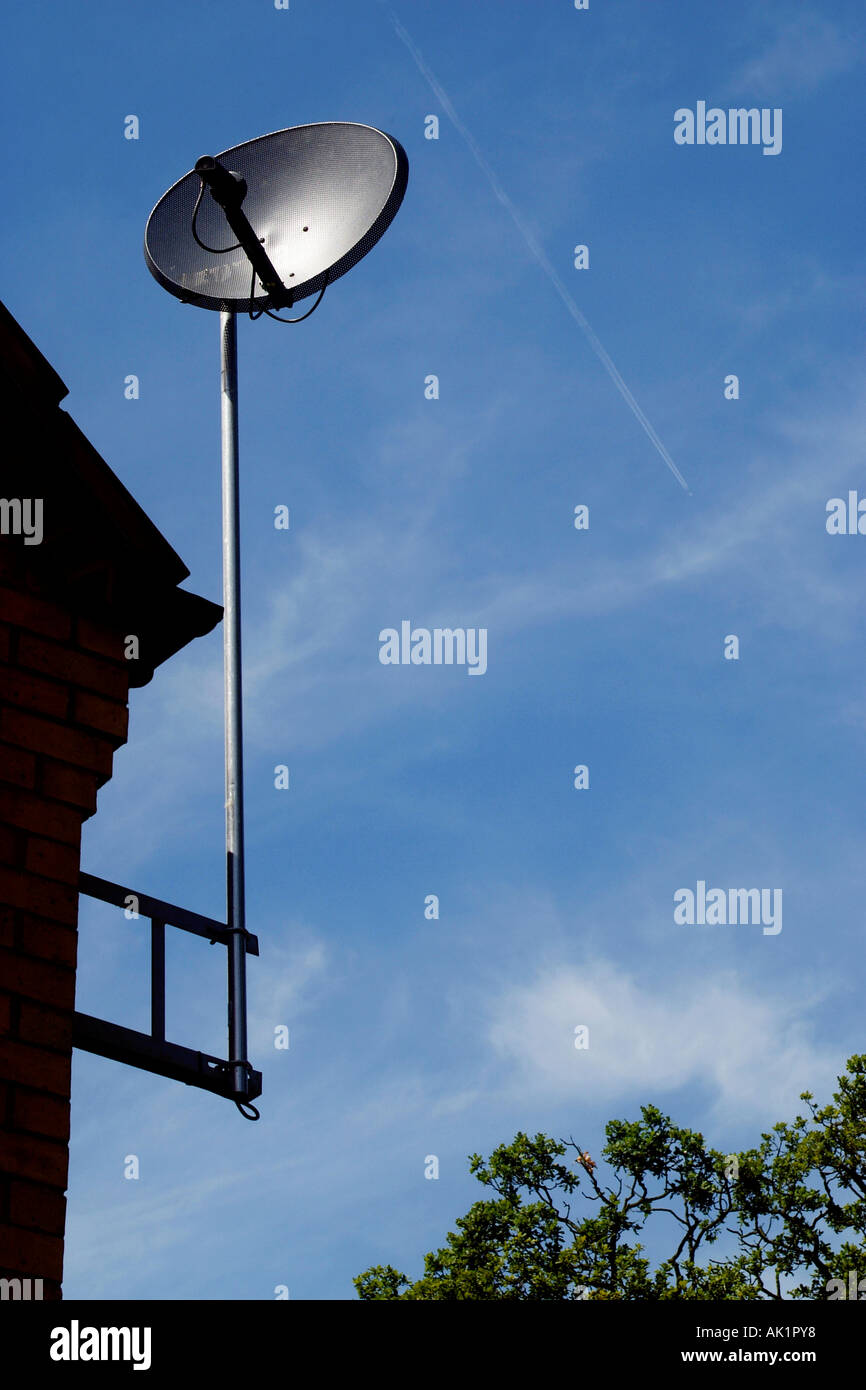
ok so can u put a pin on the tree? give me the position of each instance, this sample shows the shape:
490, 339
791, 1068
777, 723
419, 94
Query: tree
792, 1212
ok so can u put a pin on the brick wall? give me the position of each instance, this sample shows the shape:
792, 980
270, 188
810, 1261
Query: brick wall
63, 692
101, 570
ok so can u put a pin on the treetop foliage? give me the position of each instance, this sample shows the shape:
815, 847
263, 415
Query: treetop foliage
791, 1213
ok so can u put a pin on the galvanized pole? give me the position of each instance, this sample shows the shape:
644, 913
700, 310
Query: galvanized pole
237, 960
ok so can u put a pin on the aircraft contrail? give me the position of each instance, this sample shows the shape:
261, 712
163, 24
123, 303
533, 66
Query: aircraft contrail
536, 249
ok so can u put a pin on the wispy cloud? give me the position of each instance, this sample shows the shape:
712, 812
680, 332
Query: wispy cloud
747, 1048
534, 247
805, 53
297, 972
311, 663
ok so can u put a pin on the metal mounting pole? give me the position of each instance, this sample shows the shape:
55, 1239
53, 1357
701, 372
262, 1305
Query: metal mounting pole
235, 920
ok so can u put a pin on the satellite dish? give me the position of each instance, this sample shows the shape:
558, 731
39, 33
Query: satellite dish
255, 229
315, 199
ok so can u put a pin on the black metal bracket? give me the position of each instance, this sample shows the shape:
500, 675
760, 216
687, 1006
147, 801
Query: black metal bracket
229, 190
150, 1051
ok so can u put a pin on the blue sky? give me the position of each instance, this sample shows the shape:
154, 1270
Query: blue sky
605, 647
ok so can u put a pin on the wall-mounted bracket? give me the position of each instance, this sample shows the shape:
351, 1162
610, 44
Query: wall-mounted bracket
151, 1051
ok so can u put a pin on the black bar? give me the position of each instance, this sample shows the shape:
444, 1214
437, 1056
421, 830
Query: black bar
258, 258
180, 917
186, 1339
229, 192
157, 980
166, 1059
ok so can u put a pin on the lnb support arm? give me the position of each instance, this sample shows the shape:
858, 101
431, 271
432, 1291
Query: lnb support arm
229, 190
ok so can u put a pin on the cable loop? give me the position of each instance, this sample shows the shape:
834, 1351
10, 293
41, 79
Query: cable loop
214, 250
272, 315
223, 250
248, 1067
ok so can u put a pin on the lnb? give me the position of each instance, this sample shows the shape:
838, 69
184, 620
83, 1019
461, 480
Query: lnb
228, 188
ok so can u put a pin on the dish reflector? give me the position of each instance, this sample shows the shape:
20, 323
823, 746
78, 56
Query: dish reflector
318, 197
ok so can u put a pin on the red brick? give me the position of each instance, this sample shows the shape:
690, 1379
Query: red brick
37, 1208
37, 979
8, 918
5, 1013
57, 740
17, 766
51, 859
31, 812
42, 896
35, 614
12, 565
5, 642
77, 667
30, 1253
11, 845
96, 638
109, 716
46, 940
23, 1155
33, 1066
45, 1027
40, 1113
33, 693
66, 783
